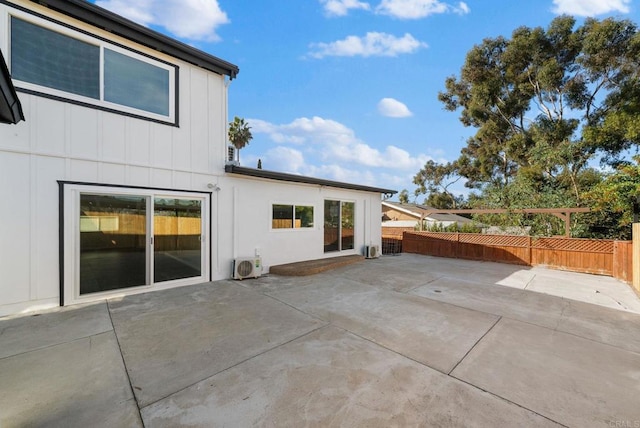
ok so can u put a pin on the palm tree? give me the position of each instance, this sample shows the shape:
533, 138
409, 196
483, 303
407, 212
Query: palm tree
239, 134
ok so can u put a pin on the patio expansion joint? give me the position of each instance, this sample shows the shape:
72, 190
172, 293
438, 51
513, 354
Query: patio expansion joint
566, 304
474, 345
53, 345
315, 317
530, 281
421, 285
449, 374
124, 364
486, 391
385, 347
236, 365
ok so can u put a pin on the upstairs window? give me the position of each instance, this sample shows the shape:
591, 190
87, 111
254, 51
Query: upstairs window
50, 59
53, 60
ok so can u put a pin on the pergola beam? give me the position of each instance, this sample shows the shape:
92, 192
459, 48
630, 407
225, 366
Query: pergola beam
562, 213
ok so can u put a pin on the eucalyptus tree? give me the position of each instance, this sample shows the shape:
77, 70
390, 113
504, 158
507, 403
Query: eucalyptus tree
435, 180
548, 101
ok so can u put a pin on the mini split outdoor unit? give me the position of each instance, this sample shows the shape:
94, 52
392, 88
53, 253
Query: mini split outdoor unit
247, 268
372, 251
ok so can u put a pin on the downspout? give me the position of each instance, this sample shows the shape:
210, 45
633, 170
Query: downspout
367, 225
234, 190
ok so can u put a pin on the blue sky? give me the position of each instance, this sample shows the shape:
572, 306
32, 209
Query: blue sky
347, 89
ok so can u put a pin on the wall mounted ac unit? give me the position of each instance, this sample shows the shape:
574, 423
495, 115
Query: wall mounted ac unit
372, 251
247, 268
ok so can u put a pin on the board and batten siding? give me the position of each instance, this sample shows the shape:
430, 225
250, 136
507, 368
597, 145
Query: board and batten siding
64, 141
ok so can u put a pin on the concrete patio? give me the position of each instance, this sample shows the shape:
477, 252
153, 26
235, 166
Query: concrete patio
398, 341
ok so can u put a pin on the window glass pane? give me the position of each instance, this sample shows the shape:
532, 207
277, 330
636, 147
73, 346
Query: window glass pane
282, 217
304, 216
177, 247
331, 226
112, 242
50, 59
347, 230
134, 83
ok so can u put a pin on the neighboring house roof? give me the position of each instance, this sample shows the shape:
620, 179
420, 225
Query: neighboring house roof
401, 223
115, 24
281, 176
423, 211
10, 108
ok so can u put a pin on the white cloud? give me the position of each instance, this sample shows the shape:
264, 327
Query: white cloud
391, 157
590, 7
304, 130
393, 108
284, 159
416, 9
328, 149
462, 8
189, 19
342, 7
373, 44
334, 142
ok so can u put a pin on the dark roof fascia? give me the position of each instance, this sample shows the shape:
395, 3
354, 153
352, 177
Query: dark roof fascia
98, 17
10, 107
281, 176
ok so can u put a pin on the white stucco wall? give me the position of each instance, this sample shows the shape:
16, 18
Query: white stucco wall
249, 202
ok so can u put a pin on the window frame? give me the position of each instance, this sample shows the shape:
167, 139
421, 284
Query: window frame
6, 13
69, 220
340, 237
293, 213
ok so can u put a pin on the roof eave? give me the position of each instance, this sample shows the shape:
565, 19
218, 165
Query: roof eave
402, 209
96, 16
294, 178
10, 107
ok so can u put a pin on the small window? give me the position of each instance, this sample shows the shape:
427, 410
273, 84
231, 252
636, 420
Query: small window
60, 62
282, 217
304, 216
291, 216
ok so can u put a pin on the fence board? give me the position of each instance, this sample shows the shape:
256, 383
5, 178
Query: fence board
596, 256
623, 261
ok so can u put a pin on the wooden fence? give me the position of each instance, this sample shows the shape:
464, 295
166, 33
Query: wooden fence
597, 256
392, 239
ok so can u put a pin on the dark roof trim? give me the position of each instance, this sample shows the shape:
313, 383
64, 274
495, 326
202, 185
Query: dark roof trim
116, 24
281, 176
10, 107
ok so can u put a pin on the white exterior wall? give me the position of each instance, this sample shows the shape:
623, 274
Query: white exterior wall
60, 141
249, 202
63, 141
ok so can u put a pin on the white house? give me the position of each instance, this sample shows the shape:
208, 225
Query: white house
115, 183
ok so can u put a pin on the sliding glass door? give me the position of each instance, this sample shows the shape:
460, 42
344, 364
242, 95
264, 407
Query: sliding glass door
129, 239
339, 222
113, 248
177, 244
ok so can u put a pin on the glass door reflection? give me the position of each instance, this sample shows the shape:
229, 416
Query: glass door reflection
177, 243
113, 250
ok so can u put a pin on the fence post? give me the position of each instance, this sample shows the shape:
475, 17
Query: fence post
635, 254
530, 243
